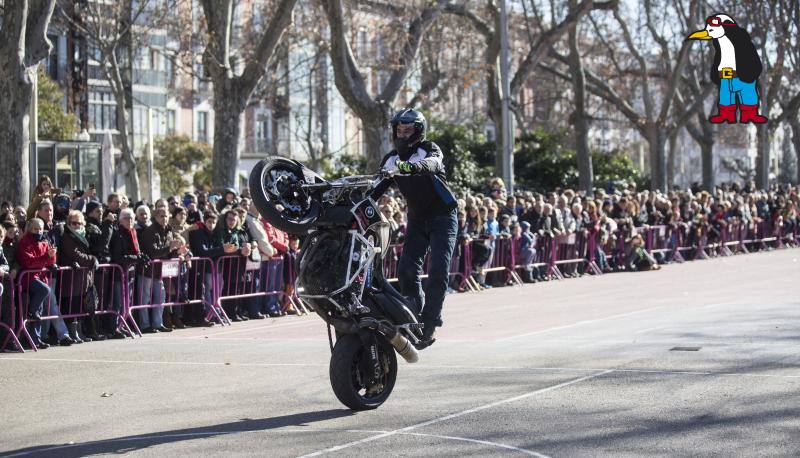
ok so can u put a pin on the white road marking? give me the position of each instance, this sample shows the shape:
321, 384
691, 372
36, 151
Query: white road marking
456, 415
270, 325
649, 329
179, 363
424, 367
579, 323
275, 431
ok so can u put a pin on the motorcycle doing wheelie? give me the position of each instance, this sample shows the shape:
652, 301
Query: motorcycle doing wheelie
340, 274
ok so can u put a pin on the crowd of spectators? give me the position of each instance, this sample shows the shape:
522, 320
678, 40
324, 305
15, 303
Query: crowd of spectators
526, 217
80, 229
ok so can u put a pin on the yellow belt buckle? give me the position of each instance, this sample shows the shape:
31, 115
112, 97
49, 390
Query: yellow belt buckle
727, 73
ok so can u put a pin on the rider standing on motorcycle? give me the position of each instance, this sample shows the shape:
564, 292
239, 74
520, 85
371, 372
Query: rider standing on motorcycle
420, 176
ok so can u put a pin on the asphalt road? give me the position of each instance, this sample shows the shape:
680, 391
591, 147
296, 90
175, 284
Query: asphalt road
582, 367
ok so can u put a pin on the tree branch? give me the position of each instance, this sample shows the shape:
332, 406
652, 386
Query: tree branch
257, 66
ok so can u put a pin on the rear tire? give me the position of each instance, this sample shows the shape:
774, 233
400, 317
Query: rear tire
345, 376
265, 200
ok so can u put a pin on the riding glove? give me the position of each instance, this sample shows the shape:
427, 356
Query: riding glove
407, 167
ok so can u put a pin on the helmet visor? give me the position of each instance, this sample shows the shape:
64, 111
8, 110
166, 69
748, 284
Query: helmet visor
404, 130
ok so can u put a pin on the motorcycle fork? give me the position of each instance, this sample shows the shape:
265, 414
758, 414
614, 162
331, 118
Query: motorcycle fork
370, 363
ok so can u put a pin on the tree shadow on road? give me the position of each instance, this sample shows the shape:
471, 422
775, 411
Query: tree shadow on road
128, 444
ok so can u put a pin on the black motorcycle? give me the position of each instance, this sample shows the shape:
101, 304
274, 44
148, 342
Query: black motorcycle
339, 273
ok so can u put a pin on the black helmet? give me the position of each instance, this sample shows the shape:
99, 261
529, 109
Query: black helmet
408, 116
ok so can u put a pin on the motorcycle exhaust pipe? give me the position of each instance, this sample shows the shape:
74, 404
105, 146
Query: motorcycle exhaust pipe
404, 348
400, 343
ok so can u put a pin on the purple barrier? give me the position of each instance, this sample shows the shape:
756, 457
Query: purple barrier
164, 283
9, 310
571, 250
69, 288
460, 264
503, 260
236, 277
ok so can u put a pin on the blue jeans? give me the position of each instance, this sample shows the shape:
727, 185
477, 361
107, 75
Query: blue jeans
272, 278
40, 294
730, 88
152, 293
439, 234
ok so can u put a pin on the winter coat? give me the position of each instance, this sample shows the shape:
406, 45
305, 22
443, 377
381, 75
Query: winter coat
204, 244
75, 251
99, 234
124, 251
279, 239
32, 254
258, 234
154, 242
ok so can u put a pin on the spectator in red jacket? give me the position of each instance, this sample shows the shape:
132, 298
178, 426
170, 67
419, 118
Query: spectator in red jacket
279, 241
35, 253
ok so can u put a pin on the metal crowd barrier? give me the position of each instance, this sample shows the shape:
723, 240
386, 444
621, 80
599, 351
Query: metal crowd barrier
8, 316
165, 283
240, 278
69, 287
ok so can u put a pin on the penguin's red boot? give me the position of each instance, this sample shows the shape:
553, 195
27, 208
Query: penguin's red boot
727, 113
750, 114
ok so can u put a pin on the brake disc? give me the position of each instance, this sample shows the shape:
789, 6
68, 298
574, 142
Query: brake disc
277, 176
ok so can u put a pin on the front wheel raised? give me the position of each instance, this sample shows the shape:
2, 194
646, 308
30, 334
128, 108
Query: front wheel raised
347, 377
275, 186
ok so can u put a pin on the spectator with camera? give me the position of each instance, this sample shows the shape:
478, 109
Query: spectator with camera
35, 252
230, 235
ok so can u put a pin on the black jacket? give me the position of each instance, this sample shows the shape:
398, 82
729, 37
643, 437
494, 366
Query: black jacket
426, 191
98, 234
122, 249
154, 242
204, 244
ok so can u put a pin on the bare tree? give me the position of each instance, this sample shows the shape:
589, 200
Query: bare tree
771, 23
643, 86
579, 117
695, 83
374, 111
117, 31
23, 44
232, 90
539, 33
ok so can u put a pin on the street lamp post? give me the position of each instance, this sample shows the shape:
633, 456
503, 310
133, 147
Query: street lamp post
507, 133
150, 153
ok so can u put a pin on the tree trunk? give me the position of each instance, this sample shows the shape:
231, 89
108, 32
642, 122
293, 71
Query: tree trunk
23, 43
707, 156
16, 92
376, 140
794, 122
657, 143
762, 156
114, 77
579, 117
228, 107
673, 147
231, 91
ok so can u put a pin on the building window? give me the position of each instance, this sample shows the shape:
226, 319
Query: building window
171, 122
202, 126
102, 111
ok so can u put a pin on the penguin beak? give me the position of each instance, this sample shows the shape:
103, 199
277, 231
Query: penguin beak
699, 35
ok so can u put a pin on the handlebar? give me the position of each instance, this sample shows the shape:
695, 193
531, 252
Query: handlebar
355, 181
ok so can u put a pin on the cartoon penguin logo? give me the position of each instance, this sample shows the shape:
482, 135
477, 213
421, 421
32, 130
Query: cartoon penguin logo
736, 69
